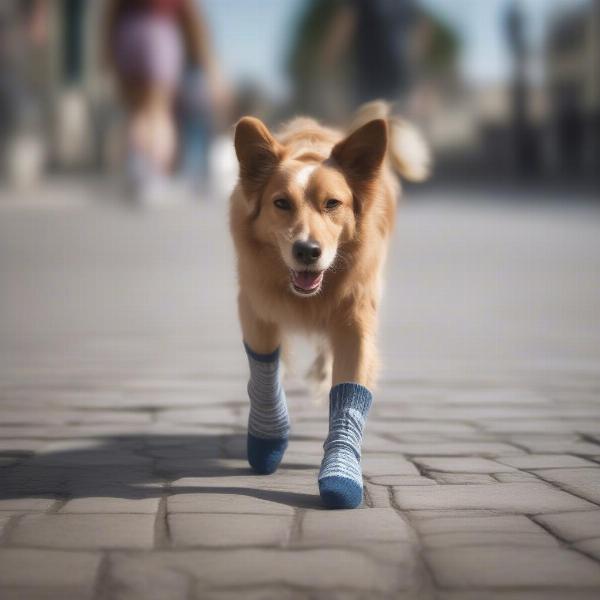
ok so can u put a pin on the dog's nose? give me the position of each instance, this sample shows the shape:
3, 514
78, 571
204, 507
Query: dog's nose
307, 252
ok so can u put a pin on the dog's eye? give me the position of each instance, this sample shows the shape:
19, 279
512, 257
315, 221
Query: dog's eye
332, 204
283, 204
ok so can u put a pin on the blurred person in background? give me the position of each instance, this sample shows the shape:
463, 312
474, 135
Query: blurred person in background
24, 31
149, 45
348, 52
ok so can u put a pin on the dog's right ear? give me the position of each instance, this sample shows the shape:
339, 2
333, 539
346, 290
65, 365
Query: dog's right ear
258, 153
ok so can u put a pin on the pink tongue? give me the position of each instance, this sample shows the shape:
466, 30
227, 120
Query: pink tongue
307, 280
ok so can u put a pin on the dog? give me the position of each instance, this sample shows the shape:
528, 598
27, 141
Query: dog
311, 218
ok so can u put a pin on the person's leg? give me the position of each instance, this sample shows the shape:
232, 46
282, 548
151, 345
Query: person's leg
151, 143
149, 54
161, 130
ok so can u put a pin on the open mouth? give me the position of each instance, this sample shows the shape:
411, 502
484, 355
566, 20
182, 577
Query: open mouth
306, 283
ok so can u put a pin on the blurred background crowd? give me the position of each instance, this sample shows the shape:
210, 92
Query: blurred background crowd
146, 91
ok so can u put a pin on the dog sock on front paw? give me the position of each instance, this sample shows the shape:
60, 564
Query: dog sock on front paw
340, 478
268, 424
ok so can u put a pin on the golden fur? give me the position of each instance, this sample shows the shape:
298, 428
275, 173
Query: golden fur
312, 182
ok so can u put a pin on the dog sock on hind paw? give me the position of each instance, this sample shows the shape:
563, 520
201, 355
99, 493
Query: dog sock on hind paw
268, 424
340, 478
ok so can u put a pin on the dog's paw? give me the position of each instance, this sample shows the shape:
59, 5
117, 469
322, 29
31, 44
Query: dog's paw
264, 456
340, 492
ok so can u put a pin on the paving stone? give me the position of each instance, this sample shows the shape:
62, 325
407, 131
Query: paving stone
573, 527
501, 396
583, 482
92, 458
27, 504
528, 498
302, 447
487, 538
461, 465
511, 567
540, 425
194, 452
544, 461
401, 480
315, 429
85, 531
27, 592
373, 443
462, 478
378, 464
225, 503
246, 567
413, 426
591, 547
262, 593
489, 449
22, 446
378, 496
203, 416
133, 579
479, 524
515, 477
541, 593
346, 528
3, 522
270, 487
190, 466
308, 461
471, 412
86, 445
222, 530
103, 505
30, 567
557, 445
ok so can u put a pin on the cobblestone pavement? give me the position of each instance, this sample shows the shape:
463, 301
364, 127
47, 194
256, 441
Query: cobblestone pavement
122, 414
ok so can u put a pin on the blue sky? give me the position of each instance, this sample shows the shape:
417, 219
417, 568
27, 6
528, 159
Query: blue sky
252, 36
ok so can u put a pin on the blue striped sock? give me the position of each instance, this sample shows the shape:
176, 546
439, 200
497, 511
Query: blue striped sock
340, 478
268, 423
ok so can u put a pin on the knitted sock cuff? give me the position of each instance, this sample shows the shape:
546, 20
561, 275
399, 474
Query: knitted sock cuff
344, 396
264, 358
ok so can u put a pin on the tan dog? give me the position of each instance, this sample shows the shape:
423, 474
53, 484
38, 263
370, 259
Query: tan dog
311, 219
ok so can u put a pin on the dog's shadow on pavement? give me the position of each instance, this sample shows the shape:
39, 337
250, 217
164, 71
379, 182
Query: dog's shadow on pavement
150, 466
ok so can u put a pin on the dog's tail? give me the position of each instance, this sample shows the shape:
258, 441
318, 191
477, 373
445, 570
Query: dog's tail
408, 151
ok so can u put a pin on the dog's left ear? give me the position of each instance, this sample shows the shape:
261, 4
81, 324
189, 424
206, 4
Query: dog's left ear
258, 153
361, 154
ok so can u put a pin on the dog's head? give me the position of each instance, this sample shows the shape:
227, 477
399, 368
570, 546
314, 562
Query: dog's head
307, 205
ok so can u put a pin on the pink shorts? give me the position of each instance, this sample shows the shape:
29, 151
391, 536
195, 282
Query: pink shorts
149, 48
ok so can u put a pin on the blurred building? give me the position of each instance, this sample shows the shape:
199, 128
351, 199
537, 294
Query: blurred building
83, 107
53, 88
545, 127
573, 85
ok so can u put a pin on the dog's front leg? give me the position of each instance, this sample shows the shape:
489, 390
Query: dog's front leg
352, 341
268, 423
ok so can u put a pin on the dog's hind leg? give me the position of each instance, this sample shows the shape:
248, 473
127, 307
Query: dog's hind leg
319, 373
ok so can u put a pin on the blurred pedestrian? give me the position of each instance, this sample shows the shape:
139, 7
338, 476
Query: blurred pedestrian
149, 44
348, 52
24, 27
